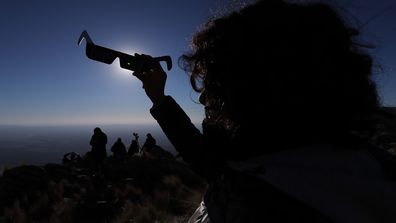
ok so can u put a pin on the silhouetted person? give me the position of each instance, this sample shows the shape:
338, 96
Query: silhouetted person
119, 150
294, 76
98, 142
149, 143
134, 148
71, 157
150, 147
75, 156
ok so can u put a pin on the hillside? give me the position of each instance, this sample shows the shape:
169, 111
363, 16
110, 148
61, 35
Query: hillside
138, 189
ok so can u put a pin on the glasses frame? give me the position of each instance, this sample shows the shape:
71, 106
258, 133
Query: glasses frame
107, 56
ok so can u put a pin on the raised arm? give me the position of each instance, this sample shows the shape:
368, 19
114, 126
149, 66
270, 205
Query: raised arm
177, 126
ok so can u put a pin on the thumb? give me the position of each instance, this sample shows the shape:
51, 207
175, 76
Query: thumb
139, 76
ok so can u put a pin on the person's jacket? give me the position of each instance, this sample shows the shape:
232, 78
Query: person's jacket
319, 183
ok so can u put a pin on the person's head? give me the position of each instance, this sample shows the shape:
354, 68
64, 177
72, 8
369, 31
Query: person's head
290, 68
119, 140
150, 139
97, 130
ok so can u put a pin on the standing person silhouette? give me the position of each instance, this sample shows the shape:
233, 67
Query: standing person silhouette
294, 76
98, 142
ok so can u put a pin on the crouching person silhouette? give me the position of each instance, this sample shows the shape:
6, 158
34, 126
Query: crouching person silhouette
295, 76
119, 150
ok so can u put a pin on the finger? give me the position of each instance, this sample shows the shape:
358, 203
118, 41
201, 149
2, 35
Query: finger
149, 63
139, 75
153, 64
141, 62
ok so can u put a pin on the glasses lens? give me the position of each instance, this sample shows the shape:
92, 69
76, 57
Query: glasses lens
99, 53
129, 62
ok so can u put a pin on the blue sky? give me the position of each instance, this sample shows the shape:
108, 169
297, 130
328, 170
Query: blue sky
45, 78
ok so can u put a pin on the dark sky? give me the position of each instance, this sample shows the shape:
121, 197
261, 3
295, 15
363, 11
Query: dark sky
47, 79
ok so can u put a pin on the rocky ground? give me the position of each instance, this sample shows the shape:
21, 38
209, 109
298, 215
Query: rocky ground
138, 189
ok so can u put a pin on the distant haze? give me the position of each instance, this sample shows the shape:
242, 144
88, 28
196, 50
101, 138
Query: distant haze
47, 144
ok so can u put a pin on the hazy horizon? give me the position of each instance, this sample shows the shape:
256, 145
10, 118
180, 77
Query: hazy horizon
40, 144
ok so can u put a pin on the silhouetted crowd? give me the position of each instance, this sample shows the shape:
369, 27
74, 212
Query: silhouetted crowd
120, 153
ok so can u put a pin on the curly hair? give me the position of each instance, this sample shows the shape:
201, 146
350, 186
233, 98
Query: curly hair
292, 68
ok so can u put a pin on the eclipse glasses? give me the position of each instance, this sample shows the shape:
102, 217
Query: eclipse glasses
106, 55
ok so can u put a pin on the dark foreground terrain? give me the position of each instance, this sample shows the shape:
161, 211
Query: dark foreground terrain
149, 187
137, 189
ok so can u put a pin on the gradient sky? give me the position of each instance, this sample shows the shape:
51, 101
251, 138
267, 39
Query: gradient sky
45, 78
